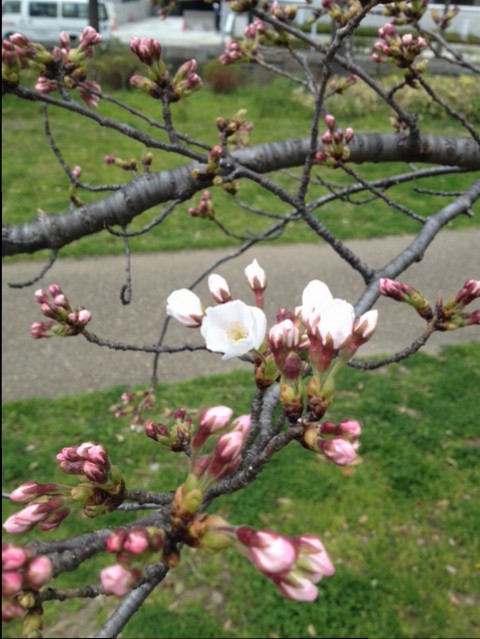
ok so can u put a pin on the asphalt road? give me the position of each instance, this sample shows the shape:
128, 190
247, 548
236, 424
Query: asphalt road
51, 367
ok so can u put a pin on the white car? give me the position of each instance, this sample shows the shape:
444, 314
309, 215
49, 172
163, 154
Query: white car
43, 20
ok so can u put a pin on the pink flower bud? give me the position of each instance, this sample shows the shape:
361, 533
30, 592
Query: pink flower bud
327, 137
30, 491
284, 335
394, 289
228, 447
12, 582
38, 572
215, 418
297, 588
256, 276
83, 317
117, 580
350, 428
365, 326
469, 292
12, 610
115, 541
40, 296
269, 551
330, 122
348, 135
339, 451
185, 307
313, 557
136, 541
219, 288
98, 455
94, 473
13, 557
242, 424
25, 520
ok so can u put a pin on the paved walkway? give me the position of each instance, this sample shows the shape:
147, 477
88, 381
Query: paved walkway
48, 368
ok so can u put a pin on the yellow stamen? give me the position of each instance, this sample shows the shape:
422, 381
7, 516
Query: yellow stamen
236, 332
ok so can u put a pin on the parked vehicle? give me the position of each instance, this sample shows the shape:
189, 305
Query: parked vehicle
43, 20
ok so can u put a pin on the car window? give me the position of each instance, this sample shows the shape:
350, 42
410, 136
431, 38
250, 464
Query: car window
80, 10
74, 10
11, 7
42, 9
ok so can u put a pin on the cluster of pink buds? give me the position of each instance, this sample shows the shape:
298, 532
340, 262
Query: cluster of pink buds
341, 85
343, 12
125, 165
207, 469
158, 83
446, 316
294, 564
336, 442
64, 321
132, 405
234, 52
406, 12
176, 436
255, 29
62, 68
48, 505
133, 549
21, 571
335, 144
443, 19
237, 126
104, 490
205, 208
284, 13
401, 50
17, 54
402, 292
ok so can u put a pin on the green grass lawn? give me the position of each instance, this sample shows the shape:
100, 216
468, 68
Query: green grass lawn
32, 179
402, 527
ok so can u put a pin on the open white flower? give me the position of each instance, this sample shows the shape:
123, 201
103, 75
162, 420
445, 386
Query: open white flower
233, 328
316, 297
185, 307
337, 321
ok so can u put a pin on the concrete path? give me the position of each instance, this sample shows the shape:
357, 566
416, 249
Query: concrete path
48, 368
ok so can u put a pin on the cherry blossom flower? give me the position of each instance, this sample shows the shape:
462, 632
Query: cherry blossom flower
234, 328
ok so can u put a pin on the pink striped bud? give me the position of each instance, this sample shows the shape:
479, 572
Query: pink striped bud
219, 288
31, 490
313, 559
270, 552
242, 424
256, 276
339, 451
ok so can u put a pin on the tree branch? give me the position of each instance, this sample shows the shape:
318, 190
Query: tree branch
148, 190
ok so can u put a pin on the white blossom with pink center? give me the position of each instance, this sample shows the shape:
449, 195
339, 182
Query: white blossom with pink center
233, 328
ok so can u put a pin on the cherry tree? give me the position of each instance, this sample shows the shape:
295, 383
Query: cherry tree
295, 358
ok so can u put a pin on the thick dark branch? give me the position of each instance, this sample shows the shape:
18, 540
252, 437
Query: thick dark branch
148, 190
